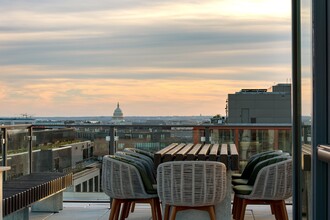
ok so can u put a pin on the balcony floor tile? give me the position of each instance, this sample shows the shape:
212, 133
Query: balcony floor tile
100, 211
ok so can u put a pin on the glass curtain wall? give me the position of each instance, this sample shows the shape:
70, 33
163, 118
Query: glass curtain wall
320, 123
302, 107
306, 103
15, 147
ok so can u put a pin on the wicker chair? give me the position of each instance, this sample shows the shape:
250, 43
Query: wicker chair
149, 166
142, 160
252, 162
248, 170
191, 185
272, 186
126, 182
143, 152
142, 155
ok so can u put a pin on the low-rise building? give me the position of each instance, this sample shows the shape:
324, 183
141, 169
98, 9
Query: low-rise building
261, 105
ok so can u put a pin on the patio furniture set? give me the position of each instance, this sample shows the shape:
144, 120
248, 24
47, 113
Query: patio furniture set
196, 176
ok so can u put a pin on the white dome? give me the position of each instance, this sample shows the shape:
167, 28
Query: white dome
118, 114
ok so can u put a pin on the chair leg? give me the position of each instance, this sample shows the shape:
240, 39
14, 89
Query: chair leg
132, 206
115, 208
282, 210
277, 210
125, 210
173, 212
155, 206
128, 209
234, 205
241, 213
158, 209
273, 208
118, 211
237, 209
167, 212
153, 209
211, 211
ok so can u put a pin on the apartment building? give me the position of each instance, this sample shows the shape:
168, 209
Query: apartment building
261, 105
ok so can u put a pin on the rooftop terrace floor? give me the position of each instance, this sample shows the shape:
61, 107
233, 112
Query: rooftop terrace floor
101, 211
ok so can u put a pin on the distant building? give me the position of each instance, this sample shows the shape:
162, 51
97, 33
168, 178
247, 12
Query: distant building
261, 105
118, 115
75, 157
217, 119
16, 120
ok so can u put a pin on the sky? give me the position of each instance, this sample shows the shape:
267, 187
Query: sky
182, 57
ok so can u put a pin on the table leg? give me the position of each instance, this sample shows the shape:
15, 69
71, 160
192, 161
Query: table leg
223, 209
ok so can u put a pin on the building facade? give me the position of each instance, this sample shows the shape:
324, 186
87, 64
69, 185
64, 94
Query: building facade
260, 105
76, 157
118, 115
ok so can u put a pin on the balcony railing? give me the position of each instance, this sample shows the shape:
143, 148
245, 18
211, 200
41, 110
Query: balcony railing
80, 148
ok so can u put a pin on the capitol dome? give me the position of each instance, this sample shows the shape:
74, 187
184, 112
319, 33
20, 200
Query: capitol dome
118, 114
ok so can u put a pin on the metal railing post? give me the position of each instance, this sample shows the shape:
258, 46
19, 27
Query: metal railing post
207, 135
112, 141
4, 140
30, 148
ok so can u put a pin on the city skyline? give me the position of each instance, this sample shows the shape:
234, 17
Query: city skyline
154, 58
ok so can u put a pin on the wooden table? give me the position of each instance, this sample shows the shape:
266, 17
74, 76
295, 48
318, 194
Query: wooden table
225, 153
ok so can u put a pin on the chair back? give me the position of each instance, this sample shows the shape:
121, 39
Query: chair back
191, 183
264, 163
274, 182
139, 151
263, 153
122, 180
149, 168
255, 160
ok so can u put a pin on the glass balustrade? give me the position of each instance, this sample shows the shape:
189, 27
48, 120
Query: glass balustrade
80, 148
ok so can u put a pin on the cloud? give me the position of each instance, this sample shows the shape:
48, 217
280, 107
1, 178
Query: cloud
24, 74
187, 34
77, 54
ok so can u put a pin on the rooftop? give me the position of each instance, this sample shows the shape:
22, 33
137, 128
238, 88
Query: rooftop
101, 211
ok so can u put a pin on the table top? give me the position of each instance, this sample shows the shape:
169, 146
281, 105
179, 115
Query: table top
225, 153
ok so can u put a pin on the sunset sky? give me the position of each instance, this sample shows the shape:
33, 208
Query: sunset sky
79, 58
